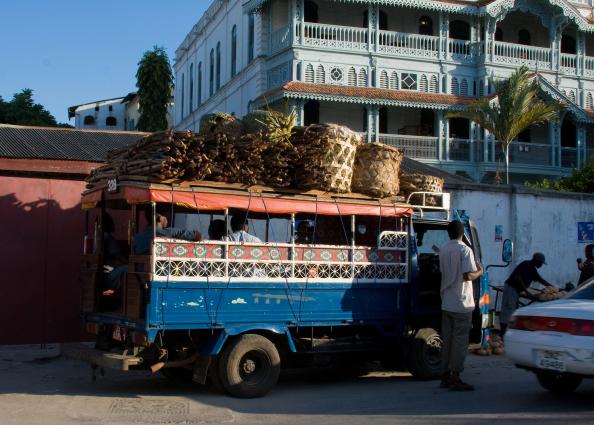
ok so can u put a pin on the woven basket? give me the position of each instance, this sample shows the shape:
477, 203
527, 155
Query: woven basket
376, 170
221, 122
326, 157
421, 183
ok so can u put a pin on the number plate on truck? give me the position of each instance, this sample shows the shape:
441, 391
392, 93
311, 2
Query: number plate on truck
550, 360
119, 333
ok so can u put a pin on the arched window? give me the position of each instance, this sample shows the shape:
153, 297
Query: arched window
362, 78
211, 74
183, 95
218, 65
199, 81
89, 120
460, 30
524, 37
191, 87
309, 73
425, 25
498, 34
310, 11
320, 75
111, 121
251, 36
383, 81
433, 84
352, 77
394, 83
464, 87
568, 44
424, 83
234, 51
454, 89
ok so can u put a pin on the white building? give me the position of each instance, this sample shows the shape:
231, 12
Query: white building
120, 113
393, 68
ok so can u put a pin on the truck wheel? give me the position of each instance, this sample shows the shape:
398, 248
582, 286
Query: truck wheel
558, 383
424, 354
249, 366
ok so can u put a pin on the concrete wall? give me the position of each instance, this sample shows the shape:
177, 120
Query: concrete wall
544, 221
100, 111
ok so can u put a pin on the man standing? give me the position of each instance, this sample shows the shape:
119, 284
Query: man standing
458, 270
518, 282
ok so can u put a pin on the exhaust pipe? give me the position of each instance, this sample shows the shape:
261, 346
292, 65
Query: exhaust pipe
176, 363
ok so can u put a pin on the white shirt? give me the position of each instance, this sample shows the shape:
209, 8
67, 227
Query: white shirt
455, 259
242, 236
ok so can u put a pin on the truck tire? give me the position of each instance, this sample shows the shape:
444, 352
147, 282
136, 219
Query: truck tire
424, 354
558, 383
249, 366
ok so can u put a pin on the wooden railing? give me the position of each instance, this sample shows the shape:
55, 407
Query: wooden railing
408, 44
518, 54
334, 36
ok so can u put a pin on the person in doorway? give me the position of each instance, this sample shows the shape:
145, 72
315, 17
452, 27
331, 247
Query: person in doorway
240, 229
518, 283
586, 267
142, 241
458, 270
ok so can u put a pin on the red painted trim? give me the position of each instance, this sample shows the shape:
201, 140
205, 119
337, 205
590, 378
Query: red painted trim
48, 166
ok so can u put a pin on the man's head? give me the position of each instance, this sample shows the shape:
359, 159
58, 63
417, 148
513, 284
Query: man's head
538, 259
455, 229
239, 222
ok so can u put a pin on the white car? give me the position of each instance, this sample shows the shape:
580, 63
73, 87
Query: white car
555, 339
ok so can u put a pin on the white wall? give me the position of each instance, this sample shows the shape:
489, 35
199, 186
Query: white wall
100, 112
534, 220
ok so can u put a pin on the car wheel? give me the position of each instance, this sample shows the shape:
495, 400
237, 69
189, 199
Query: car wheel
424, 355
558, 383
249, 366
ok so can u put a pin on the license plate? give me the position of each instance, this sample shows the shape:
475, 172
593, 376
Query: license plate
550, 360
119, 333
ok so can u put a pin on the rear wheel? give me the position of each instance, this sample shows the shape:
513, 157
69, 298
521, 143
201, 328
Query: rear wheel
558, 383
424, 354
249, 366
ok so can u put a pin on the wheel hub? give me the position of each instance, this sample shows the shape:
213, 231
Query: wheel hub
249, 366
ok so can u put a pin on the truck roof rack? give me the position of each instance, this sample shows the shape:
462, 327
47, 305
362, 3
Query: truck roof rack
425, 202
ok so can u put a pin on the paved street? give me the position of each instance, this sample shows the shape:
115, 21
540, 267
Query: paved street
60, 391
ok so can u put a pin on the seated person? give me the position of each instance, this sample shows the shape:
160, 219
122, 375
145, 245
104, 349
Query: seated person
240, 228
115, 263
217, 230
143, 240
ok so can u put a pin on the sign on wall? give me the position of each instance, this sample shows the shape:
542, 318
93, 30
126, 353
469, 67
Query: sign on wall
585, 231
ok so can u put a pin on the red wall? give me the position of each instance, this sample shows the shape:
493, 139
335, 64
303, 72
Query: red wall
41, 237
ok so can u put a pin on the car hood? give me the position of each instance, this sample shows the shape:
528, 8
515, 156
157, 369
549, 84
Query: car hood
570, 308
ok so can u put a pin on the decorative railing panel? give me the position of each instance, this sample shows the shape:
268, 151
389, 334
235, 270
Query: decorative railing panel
182, 261
406, 44
333, 36
525, 153
280, 39
589, 66
462, 50
519, 54
568, 63
416, 147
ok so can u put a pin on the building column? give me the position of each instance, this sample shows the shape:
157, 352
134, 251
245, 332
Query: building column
370, 124
471, 142
490, 28
440, 133
579, 143
581, 54
372, 27
375, 114
444, 34
446, 130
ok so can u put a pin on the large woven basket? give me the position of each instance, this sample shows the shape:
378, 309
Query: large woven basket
421, 183
376, 170
326, 157
221, 122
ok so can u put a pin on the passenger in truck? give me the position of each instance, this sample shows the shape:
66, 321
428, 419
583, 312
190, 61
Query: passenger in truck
115, 263
142, 241
240, 228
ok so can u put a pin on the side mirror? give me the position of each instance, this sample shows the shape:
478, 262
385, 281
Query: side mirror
507, 253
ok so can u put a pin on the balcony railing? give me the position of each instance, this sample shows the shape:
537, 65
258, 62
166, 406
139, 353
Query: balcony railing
280, 39
334, 36
519, 54
416, 147
568, 63
525, 153
462, 50
459, 149
406, 44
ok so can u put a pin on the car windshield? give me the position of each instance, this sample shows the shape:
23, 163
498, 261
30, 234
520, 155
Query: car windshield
585, 292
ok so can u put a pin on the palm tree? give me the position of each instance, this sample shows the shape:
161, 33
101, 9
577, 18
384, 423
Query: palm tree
515, 107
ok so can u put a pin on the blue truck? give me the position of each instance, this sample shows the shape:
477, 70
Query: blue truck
335, 280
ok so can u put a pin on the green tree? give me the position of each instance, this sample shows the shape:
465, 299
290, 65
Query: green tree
515, 108
154, 80
22, 110
580, 180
